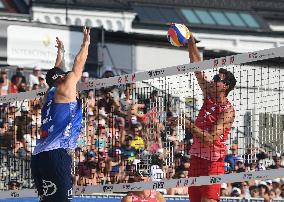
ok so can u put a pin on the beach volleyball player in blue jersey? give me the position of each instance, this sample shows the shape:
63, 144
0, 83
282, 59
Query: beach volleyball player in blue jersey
61, 125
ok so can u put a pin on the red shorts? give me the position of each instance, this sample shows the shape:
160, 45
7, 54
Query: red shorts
202, 167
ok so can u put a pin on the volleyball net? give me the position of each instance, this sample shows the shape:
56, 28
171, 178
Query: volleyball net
126, 128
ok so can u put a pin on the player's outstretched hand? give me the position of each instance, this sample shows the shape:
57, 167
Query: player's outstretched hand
86, 33
59, 44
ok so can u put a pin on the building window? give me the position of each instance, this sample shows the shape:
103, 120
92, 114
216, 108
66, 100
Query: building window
78, 22
220, 18
99, 23
57, 20
47, 19
88, 23
109, 25
119, 25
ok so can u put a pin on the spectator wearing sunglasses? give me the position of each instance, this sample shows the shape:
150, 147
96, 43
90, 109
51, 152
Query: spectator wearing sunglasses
143, 175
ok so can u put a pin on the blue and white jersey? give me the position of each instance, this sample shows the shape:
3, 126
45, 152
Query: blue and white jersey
61, 124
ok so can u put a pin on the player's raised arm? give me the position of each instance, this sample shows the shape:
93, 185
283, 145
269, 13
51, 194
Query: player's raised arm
195, 56
60, 52
66, 91
80, 59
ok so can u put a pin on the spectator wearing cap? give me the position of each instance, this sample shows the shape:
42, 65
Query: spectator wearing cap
263, 189
42, 83
276, 186
34, 77
236, 192
230, 159
224, 190
4, 83
85, 77
239, 164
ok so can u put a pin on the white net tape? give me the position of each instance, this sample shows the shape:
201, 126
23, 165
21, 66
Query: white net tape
146, 75
163, 184
168, 71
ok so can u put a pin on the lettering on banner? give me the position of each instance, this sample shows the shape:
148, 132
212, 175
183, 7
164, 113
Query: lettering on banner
261, 177
224, 61
247, 176
107, 188
126, 187
253, 55
193, 181
40, 94
126, 78
155, 73
215, 180
181, 68
158, 185
178, 183
15, 194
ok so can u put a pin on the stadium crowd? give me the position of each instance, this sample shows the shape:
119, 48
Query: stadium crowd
113, 143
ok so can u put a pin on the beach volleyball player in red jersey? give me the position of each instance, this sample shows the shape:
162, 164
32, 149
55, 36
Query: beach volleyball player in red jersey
211, 129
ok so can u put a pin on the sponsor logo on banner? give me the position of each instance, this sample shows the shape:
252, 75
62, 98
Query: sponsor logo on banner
15, 194
181, 68
155, 73
223, 61
253, 55
40, 94
215, 180
247, 176
158, 185
126, 187
107, 188
127, 78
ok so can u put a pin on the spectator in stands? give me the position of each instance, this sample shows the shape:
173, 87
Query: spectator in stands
85, 77
34, 77
231, 158
236, 192
19, 72
254, 191
239, 164
277, 162
178, 190
224, 190
16, 81
13, 185
128, 152
138, 142
282, 191
263, 189
4, 83
145, 195
245, 193
42, 82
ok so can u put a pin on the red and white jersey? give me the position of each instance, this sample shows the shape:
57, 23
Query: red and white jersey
151, 198
206, 120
